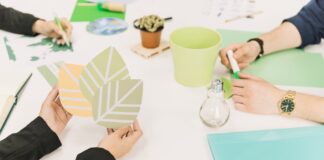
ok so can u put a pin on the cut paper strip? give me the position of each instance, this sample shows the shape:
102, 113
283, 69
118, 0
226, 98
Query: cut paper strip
70, 94
86, 13
106, 67
227, 87
117, 104
50, 72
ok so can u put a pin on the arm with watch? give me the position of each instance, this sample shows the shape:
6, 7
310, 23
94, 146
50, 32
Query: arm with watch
252, 94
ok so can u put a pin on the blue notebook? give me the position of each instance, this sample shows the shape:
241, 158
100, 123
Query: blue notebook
305, 143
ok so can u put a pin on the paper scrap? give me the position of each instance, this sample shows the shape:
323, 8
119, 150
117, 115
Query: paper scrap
70, 94
10, 52
50, 72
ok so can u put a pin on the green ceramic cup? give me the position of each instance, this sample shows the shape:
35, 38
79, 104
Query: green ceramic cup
195, 50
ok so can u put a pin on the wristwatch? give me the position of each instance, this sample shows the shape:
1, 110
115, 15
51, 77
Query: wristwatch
260, 42
287, 104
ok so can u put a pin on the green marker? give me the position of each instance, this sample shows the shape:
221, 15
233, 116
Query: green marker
59, 24
234, 65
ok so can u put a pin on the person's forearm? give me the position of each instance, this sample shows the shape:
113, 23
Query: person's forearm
309, 107
31, 143
14, 21
285, 36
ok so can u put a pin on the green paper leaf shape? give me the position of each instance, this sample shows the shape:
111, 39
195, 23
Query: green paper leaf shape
108, 66
117, 104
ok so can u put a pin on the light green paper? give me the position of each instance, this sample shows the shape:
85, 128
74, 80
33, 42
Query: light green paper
106, 67
280, 144
292, 67
227, 87
10, 52
50, 72
91, 13
117, 104
195, 50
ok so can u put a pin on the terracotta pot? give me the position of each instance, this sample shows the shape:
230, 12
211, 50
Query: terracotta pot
151, 39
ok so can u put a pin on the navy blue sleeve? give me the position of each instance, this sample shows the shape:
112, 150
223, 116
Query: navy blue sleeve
310, 22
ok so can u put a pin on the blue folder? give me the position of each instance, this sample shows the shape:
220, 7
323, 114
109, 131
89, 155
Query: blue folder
305, 143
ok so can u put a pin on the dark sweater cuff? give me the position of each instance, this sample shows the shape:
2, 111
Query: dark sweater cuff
95, 153
30, 20
48, 139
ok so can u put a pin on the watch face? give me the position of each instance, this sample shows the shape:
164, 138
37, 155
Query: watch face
287, 105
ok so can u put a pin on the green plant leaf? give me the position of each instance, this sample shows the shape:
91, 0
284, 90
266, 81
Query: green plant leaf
106, 67
117, 104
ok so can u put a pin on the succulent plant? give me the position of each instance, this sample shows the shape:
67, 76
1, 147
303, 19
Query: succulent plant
151, 23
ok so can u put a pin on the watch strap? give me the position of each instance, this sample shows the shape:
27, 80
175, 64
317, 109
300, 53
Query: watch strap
260, 42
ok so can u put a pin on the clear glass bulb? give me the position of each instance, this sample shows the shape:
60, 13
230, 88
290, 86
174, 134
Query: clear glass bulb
214, 112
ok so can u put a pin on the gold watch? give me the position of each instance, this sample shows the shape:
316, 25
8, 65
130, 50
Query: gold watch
287, 104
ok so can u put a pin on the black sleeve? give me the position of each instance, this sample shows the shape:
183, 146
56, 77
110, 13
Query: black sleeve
95, 153
310, 22
17, 22
31, 143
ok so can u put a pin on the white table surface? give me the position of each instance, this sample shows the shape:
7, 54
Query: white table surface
169, 114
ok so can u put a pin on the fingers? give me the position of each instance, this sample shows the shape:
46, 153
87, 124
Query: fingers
67, 27
248, 76
223, 54
122, 131
110, 131
239, 83
137, 133
238, 91
240, 106
239, 99
52, 95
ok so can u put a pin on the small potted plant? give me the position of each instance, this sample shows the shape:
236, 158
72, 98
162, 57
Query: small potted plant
151, 27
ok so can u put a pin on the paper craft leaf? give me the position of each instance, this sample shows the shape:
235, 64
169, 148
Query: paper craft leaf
106, 67
70, 94
117, 104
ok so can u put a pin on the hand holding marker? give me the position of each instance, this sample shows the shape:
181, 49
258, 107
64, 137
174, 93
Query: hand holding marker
234, 65
64, 36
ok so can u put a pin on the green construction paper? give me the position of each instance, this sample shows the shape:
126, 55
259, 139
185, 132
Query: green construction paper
91, 13
10, 52
34, 58
50, 72
279, 144
54, 47
117, 104
106, 67
292, 67
227, 87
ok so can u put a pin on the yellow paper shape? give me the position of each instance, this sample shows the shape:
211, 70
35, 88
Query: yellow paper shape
70, 94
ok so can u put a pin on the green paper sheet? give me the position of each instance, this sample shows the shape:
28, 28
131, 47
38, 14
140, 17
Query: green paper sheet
280, 144
227, 87
292, 67
91, 13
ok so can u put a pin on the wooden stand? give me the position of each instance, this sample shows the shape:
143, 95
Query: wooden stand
147, 52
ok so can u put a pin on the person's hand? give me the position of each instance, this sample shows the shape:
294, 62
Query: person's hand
244, 53
50, 29
121, 141
53, 112
254, 95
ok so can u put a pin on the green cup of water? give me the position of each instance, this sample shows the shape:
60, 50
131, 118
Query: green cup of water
195, 50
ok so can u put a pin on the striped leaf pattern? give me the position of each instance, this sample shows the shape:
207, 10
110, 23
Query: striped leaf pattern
50, 72
70, 94
117, 104
106, 67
